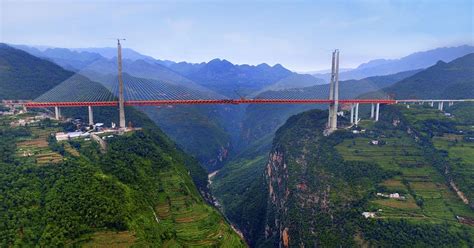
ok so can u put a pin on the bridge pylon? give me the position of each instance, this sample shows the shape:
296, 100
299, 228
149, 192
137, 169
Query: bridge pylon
333, 93
120, 81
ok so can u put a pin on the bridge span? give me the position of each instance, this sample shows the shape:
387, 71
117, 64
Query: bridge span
156, 94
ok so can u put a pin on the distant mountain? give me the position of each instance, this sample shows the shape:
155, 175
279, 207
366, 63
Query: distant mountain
419, 60
66, 58
98, 62
185, 68
226, 78
139, 68
24, 76
111, 52
295, 80
443, 80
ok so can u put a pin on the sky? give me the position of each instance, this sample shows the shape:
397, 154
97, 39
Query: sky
297, 34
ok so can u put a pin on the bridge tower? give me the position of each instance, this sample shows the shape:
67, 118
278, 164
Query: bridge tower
334, 93
120, 81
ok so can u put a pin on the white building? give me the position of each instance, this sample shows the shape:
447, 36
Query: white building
71, 135
368, 214
61, 136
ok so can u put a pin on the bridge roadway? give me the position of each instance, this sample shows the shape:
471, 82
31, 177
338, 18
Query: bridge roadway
201, 102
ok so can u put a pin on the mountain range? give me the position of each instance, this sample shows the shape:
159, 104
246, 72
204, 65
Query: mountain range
418, 60
452, 80
280, 181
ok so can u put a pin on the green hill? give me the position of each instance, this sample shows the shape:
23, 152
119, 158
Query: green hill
318, 187
139, 192
23, 76
441, 81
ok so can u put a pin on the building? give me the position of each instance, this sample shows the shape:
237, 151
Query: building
61, 136
368, 214
395, 195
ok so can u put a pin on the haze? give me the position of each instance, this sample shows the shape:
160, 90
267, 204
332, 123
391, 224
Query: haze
298, 35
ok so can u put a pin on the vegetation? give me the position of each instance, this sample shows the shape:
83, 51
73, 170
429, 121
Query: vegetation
23, 76
238, 187
440, 81
323, 184
138, 193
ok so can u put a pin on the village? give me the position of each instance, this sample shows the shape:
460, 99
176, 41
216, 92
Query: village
20, 117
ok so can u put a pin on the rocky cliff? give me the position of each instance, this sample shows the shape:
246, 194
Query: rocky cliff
311, 190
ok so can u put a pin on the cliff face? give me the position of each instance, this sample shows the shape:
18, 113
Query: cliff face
311, 190
297, 198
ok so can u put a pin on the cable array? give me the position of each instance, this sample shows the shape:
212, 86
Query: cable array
79, 88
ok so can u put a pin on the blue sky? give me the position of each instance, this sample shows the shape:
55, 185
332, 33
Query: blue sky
297, 34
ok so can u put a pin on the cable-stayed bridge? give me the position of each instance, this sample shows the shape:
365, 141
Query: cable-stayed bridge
126, 90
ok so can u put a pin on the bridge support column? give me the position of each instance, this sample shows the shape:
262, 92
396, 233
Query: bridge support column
432, 104
356, 121
377, 111
372, 108
91, 115
57, 113
451, 104
440, 106
352, 113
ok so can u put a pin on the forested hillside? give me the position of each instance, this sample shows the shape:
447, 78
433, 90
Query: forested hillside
23, 76
139, 192
318, 187
441, 81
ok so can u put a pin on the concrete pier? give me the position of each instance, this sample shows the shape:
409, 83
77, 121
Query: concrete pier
372, 108
57, 113
352, 113
377, 111
432, 104
356, 121
440, 106
91, 115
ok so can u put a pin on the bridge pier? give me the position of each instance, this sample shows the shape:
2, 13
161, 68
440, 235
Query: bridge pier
432, 104
352, 113
440, 106
450, 104
372, 108
91, 115
57, 113
356, 121
377, 111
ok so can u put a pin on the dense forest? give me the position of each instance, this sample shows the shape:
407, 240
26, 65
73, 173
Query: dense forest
23, 76
139, 192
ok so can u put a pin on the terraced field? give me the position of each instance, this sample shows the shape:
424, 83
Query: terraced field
417, 180
461, 160
189, 218
35, 148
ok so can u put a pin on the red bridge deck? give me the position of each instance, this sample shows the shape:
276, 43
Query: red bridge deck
195, 102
